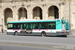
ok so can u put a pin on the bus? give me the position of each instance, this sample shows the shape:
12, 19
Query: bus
56, 27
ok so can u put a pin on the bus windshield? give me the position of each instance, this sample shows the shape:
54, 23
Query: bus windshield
64, 21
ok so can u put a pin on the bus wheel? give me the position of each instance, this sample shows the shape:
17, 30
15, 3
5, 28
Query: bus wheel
16, 33
43, 34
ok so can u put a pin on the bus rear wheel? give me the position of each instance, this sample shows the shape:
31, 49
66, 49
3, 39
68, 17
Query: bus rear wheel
16, 33
43, 34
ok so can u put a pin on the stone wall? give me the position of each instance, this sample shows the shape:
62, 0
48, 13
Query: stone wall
44, 5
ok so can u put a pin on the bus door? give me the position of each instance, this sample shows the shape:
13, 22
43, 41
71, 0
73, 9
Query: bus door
29, 28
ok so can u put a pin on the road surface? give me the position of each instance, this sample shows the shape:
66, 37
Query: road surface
38, 41
4, 47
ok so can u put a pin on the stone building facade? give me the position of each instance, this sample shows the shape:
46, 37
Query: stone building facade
14, 10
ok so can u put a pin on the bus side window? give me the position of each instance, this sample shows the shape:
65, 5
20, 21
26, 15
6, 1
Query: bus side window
35, 26
49, 26
29, 26
24, 26
18, 26
43, 25
21, 26
14, 26
53, 26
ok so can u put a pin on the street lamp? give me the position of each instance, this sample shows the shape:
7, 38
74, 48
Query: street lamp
2, 26
69, 9
23, 10
69, 16
2, 23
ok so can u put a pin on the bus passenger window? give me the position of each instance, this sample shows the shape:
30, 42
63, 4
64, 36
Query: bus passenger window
52, 25
43, 26
35, 26
14, 26
49, 26
21, 26
29, 26
18, 26
24, 26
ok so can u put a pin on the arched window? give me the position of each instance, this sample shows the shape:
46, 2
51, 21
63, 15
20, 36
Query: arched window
53, 12
22, 13
37, 13
8, 14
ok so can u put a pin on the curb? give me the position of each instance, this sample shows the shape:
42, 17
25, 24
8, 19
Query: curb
71, 36
3, 34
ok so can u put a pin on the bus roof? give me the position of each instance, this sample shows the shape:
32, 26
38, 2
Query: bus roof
32, 21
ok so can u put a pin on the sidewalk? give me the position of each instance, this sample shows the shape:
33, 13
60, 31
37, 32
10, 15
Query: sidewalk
3, 34
72, 34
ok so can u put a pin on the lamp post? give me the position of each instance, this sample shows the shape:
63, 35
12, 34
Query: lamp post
23, 10
2, 26
69, 16
69, 9
2, 23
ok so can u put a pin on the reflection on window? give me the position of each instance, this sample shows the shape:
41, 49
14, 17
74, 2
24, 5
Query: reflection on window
10, 26
16, 26
29, 26
35, 26
52, 25
64, 21
24, 26
43, 26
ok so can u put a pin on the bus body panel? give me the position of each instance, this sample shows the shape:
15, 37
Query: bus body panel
49, 31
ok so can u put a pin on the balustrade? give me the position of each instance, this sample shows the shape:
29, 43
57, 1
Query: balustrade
33, 0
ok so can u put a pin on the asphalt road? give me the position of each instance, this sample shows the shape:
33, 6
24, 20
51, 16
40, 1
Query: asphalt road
38, 41
4, 47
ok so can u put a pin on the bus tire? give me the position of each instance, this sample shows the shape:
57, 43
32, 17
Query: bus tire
16, 33
43, 34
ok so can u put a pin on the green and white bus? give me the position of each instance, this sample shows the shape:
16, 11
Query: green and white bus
39, 27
